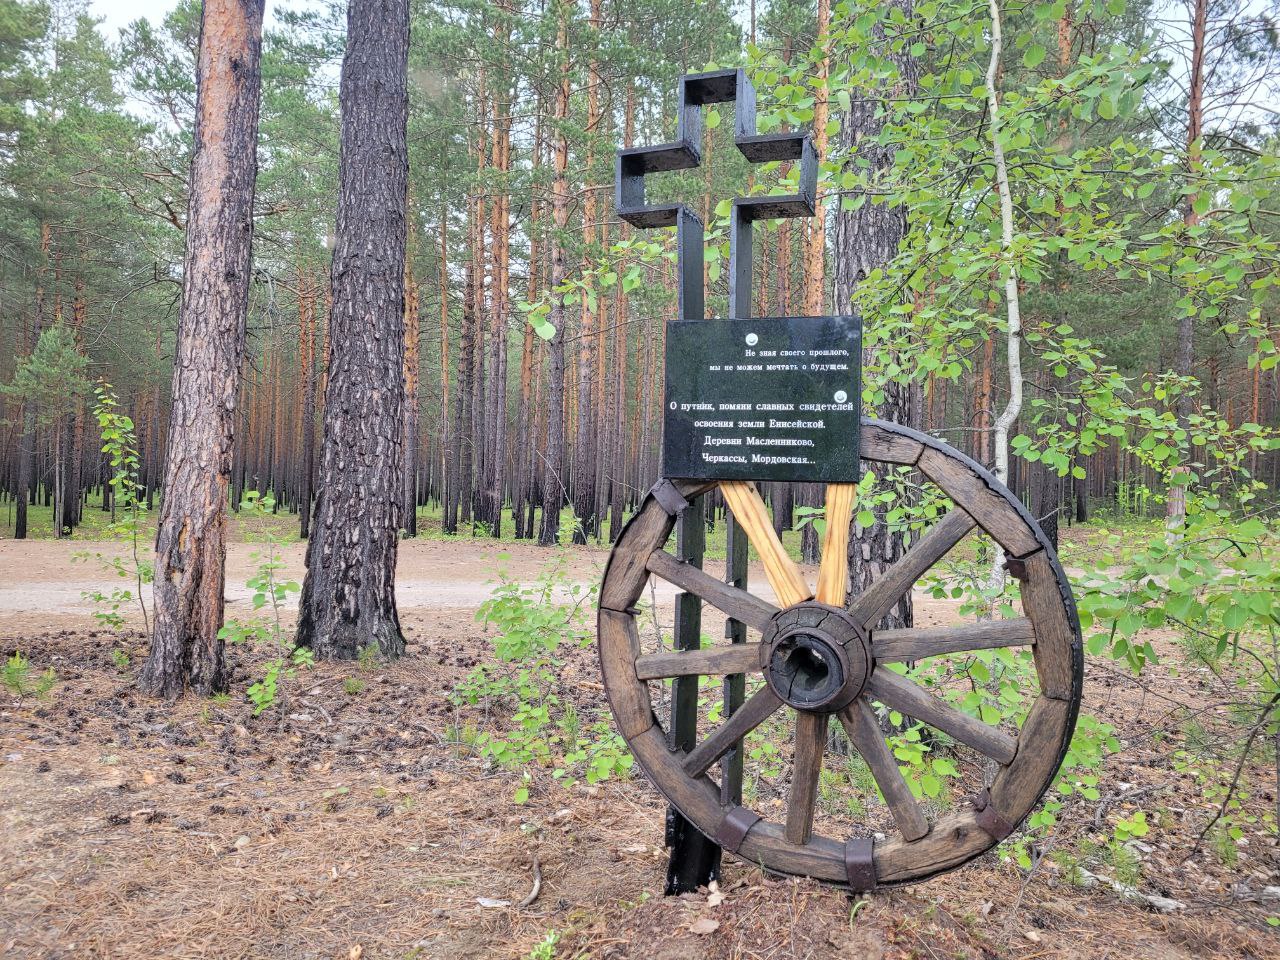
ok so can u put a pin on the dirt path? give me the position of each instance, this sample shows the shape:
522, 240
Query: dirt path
50, 577
43, 583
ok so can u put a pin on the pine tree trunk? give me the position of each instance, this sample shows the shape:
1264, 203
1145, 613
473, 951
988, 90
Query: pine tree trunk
27, 438
348, 596
585, 445
448, 479
411, 364
75, 439
618, 453
492, 494
462, 445
480, 259
191, 538
307, 466
815, 249
1184, 358
524, 491
866, 239
552, 484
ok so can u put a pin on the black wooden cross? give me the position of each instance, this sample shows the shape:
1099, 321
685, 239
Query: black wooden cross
695, 859
685, 153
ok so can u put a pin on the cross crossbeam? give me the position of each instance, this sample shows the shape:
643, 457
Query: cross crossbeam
634, 164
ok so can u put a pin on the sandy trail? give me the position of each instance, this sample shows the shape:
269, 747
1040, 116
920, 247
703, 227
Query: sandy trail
43, 583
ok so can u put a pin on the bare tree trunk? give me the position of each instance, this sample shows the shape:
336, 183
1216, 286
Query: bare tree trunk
866, 240
348, 595
815, 247
309, 376
1184, 358
524, 495
448, 465
73, 498
493, 481
27, 438
586, 445
411, 363
191, 539
553, 467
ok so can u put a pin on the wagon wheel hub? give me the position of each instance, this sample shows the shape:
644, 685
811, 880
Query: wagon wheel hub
816, 657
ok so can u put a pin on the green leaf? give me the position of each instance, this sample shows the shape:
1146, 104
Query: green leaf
1033, 56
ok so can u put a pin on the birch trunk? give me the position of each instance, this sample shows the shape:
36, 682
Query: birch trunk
1013, 307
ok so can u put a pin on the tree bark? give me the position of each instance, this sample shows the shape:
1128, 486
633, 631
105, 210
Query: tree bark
308, 466
553, 468
866, 240
493, 481
1184, 358
448, 464
72, 498
348, 595
523, 494
191, 538
411, 369
586, 446
815, 246
27, 438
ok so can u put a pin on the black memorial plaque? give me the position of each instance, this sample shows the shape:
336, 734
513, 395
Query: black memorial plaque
763, 399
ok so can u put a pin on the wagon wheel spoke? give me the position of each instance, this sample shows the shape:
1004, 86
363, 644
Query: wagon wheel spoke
902, 646
833, 575
811, 740
734, 601
899, 693
708, 662
760, 706
877, 600
783, 573
859, 722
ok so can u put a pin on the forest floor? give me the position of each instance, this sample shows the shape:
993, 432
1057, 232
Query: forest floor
359, 821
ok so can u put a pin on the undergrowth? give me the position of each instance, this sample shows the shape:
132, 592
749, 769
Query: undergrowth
538, 723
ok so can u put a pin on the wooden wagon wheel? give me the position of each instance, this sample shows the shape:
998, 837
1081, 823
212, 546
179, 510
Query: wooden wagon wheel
819, 659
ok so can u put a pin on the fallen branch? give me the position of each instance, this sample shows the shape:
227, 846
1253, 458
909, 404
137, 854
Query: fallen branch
1128, 892
537, 886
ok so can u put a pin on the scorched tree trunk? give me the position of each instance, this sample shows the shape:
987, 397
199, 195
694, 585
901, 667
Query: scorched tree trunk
191, 538
348, 596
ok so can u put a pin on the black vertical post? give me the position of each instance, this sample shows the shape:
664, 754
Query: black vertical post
735, 562
695, 860
735, 685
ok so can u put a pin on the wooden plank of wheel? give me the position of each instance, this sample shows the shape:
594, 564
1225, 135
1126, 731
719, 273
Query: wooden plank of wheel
815, 654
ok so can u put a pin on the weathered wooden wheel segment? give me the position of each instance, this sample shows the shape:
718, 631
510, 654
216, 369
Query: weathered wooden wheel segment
819, 660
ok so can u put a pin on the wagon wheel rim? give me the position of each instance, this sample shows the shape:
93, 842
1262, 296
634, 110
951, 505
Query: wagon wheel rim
1027, 761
